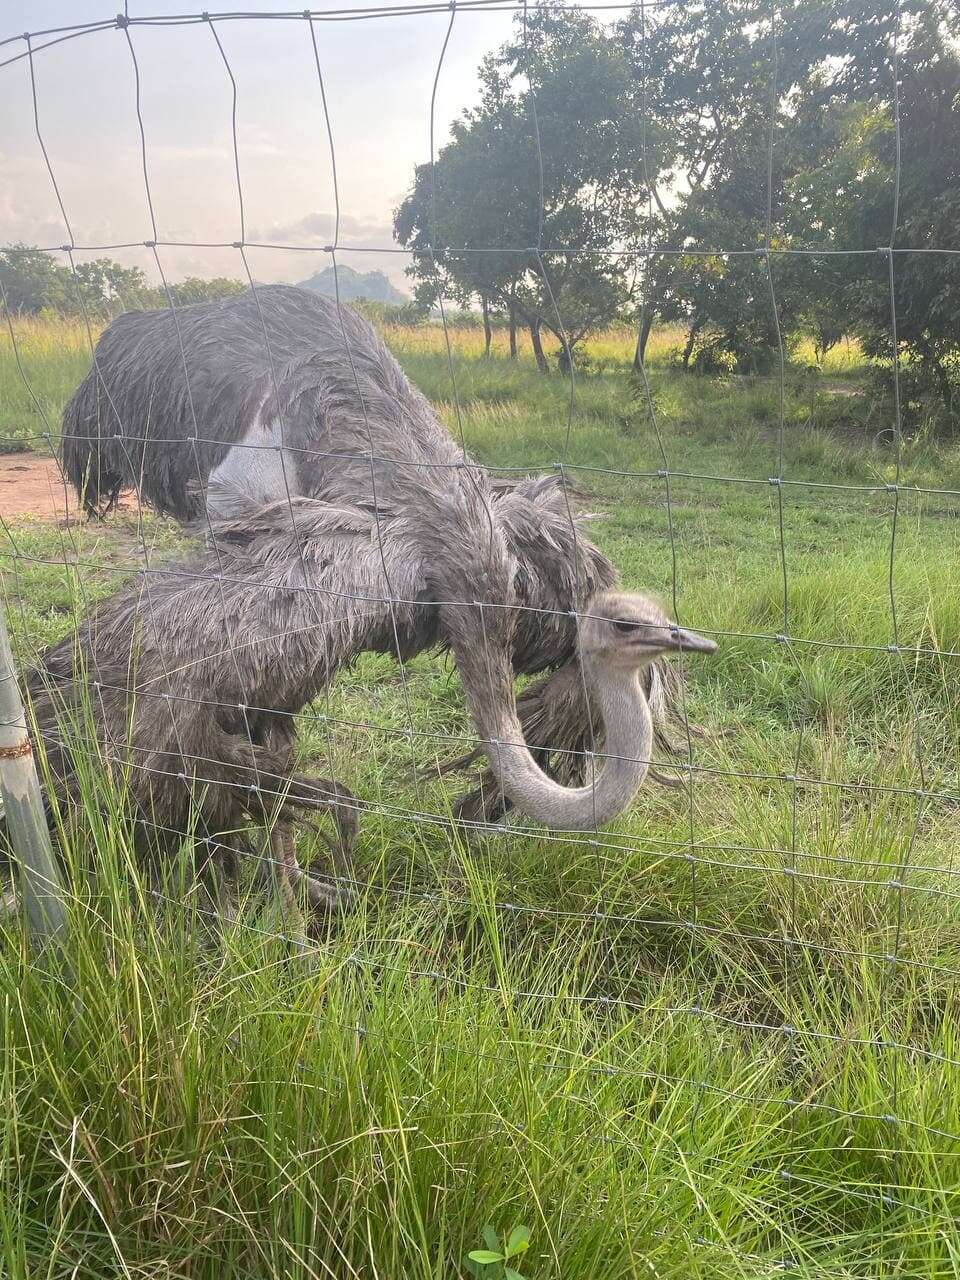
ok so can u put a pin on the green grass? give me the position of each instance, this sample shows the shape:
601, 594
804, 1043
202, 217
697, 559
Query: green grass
39, 369
604, 1059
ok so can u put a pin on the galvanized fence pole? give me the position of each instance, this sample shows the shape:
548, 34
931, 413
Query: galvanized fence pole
41, 885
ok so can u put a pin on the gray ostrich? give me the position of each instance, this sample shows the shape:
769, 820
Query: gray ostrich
191, 408
203, 728
285, 394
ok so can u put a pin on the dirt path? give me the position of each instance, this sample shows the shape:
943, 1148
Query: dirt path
31, 485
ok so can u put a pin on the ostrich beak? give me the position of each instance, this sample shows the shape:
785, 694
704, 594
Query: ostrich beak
690, 642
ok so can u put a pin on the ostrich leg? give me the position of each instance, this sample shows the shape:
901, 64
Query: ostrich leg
342, 806
287, 875
219, 890
321, 897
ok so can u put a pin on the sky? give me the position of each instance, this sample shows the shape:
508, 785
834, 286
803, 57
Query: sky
378, 76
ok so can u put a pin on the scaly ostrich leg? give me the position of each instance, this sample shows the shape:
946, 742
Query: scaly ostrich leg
342, 806
287, 875
321, 897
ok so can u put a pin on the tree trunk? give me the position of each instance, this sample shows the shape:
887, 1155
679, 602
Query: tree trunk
944, 385
643, 337
688, 349
538, 347
487, 331
513, 329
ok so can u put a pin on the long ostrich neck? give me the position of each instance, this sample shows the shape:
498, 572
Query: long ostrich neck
628, 735
466, 544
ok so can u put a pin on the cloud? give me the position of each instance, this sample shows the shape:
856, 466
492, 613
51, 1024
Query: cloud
114, 211
366, 245
318, 228
253, 143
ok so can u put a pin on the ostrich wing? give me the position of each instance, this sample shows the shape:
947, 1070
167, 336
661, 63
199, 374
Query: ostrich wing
201, 668
558, 569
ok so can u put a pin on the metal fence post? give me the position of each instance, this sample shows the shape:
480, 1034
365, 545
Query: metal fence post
41, 886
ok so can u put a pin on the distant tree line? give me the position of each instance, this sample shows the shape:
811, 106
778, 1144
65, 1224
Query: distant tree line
34, 282
603, 163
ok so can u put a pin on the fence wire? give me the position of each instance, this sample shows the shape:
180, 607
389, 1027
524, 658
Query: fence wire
697, 852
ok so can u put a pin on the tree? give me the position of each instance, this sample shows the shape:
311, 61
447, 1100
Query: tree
32, 280
723, 84
708, 82
529, 204
842, 194
105, 281
195, 289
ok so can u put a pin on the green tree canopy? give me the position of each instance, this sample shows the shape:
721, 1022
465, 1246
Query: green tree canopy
34, 281
676, 143
536, 186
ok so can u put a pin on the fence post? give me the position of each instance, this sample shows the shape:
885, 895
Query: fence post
41, 887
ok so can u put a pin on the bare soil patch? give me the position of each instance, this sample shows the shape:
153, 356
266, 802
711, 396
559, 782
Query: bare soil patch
31, 484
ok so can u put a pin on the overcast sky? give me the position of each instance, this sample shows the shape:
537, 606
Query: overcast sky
378, 75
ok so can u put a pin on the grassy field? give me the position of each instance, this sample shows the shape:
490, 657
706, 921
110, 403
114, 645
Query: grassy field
719, 1040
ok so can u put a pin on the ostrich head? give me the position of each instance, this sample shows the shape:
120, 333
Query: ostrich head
624, 631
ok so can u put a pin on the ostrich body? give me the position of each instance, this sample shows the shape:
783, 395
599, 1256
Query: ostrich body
190, 677
320, 409
280, 366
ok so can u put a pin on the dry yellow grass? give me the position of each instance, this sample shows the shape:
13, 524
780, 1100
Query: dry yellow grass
47, 336
615, 344
50, 338
54, 353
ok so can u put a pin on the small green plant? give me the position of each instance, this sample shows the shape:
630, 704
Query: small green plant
491, 1262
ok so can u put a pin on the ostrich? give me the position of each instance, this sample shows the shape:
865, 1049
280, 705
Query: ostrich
278, 366
205, 733
285, 394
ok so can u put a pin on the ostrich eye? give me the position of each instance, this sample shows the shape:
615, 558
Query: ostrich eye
623, 626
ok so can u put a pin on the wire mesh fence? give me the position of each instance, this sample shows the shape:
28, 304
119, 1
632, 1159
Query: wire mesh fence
363, 575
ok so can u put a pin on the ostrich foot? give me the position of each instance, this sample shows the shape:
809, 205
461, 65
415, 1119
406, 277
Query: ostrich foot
217, 884
331, 797
324, 893
328, 891
320, 896
674, 783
